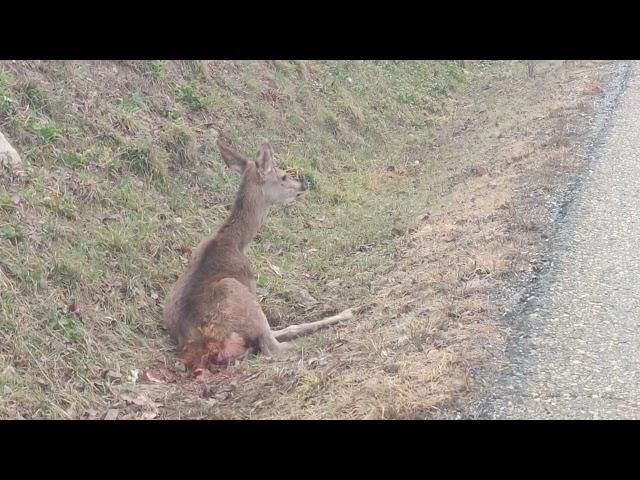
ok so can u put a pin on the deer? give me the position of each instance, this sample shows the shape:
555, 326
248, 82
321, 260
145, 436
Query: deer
212, 311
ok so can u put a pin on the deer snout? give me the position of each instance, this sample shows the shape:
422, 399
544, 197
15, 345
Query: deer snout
304, 188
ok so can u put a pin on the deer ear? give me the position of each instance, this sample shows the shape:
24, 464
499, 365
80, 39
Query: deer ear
264, 162
234, 160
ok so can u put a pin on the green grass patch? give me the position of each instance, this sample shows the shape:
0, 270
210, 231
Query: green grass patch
65, 323
12, 233
46, 130
192, 96
151, 68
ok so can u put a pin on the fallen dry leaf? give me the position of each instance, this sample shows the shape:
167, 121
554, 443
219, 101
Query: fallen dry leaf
161, 375
219, 392
275, 269
139, 399
112, 414
91, 414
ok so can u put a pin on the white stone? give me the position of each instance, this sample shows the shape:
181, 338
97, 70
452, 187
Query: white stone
8, 156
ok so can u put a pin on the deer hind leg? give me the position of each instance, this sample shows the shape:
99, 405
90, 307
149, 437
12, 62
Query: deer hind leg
294, 331
269, 344
244, 315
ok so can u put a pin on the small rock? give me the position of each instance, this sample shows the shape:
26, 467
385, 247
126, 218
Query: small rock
133, 376
8, 156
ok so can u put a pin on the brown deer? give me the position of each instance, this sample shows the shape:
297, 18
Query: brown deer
212, 311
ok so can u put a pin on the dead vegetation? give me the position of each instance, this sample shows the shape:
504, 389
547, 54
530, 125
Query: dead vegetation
424, 202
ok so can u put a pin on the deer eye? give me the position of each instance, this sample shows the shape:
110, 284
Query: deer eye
284, 177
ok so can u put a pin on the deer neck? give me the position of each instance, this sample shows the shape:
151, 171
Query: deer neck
247, 216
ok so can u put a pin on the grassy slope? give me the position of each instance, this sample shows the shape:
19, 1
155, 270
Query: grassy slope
123, 179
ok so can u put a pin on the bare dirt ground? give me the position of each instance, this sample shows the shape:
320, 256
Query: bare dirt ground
418, 347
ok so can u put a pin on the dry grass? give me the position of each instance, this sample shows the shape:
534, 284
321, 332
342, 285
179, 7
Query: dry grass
124, 181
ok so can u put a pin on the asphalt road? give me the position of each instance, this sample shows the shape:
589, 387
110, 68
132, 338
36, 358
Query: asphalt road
575, 349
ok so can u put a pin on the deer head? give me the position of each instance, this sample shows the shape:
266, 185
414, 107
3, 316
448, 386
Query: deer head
277, 185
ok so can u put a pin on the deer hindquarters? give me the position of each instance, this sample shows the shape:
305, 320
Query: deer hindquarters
205, 352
